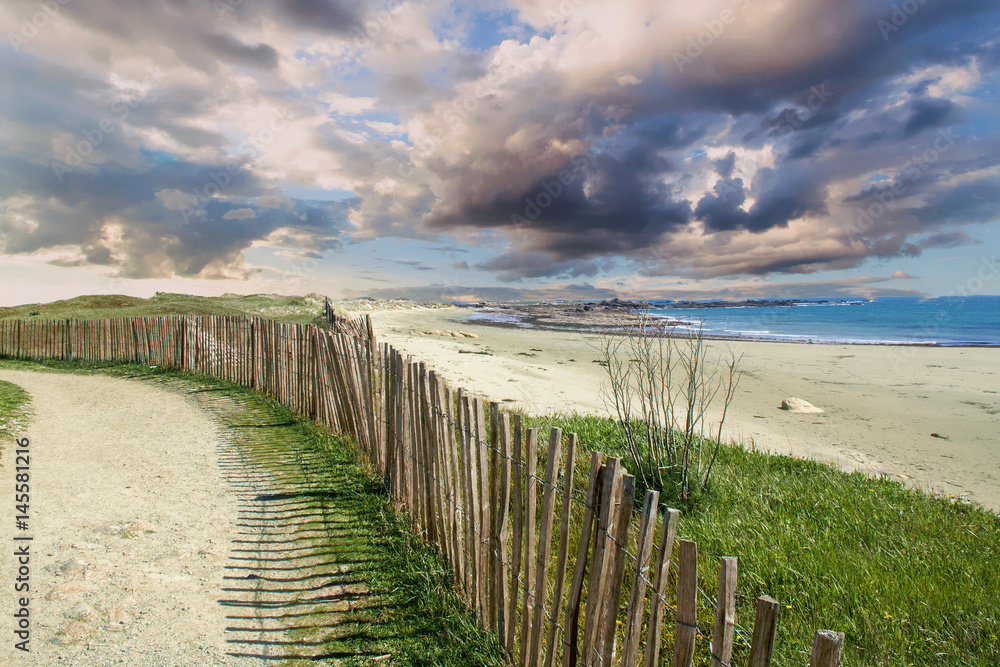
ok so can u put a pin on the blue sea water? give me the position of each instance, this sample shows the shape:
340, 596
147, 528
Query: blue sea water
973, 320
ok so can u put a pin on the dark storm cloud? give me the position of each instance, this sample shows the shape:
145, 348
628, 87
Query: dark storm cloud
974, 201
333, 16
623, 202
785, 194
724, 166
928, 113
608, 201
720, 210
811, 111
228, 48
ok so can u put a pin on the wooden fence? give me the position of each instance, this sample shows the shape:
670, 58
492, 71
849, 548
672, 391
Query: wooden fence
562, 574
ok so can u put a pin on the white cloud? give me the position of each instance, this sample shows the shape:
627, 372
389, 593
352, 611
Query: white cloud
174, 199
274, 202
239, 214
347, 105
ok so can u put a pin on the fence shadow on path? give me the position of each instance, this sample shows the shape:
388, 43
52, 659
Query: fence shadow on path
294, 584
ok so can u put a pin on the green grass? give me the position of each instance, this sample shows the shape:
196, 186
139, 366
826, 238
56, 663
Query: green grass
423, 621
13, 406
417, 616
911, 579
297, 309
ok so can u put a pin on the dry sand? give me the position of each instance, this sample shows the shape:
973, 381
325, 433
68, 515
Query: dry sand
132, 523
881, 403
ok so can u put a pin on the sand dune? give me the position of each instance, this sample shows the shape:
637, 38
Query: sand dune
926, 416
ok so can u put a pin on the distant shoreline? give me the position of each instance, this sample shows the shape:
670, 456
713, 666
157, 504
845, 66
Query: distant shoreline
590, 317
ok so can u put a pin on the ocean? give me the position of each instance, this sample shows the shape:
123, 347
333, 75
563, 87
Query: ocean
946, 321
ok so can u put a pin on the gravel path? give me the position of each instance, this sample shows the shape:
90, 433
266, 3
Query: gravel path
134, 511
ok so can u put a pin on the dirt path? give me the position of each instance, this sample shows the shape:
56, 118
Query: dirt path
179, 522
132, 522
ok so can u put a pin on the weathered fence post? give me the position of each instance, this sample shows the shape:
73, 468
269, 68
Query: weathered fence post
616, 571
530, 543
502, 521
725, 614
557, 593
517, 469
687, 605
599, 561
827, 647
544, 544
654, 633
570, 653
636, 600
764, 627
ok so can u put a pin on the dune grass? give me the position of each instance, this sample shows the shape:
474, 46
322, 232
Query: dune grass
297, 309
13, 406
306, 309
911, 579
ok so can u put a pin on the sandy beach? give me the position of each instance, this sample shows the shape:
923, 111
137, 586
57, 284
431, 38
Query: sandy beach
881, 403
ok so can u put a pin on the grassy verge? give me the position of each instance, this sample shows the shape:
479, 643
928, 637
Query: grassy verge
297, 309
420, 621
911, 579
413, 612
13, 406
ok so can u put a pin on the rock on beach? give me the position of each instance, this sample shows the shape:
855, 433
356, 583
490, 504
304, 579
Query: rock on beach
799, 406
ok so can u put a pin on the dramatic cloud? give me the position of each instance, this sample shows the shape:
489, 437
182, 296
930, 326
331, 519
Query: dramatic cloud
670, 150
564, 140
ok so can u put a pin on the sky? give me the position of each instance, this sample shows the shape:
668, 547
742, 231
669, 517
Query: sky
500, 149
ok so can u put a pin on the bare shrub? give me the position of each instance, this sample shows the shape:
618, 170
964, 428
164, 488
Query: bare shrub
660, 387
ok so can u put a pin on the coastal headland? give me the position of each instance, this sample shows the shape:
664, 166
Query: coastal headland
610, 315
